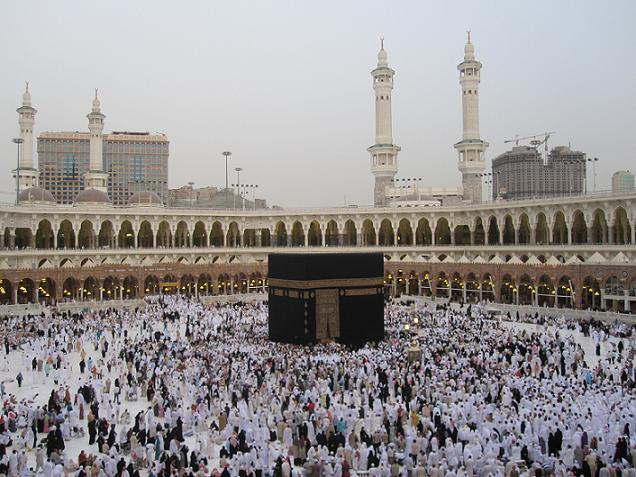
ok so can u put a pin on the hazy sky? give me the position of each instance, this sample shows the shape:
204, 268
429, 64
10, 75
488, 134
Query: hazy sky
285, 85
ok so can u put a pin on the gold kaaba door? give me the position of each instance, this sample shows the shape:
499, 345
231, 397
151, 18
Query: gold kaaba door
327, 314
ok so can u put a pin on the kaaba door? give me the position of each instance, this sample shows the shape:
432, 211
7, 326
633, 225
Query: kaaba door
327, 315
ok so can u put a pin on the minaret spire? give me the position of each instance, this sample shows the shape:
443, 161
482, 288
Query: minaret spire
28, 175
471, 148
96, 178
383, 152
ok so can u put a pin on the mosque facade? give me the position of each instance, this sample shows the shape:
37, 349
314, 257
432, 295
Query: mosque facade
577, 251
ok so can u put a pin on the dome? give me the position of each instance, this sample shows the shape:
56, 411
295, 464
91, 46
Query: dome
36, 195
92, 196
145, 198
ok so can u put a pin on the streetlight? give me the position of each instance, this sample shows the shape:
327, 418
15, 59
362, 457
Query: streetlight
18, 141
253, 187
226, 154
593, 161
238, 180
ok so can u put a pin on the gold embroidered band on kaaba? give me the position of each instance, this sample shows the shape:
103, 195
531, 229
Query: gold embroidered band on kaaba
326, 283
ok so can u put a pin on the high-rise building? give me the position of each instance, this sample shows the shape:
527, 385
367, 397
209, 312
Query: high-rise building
383, 152
622, 181
133, 162
471, 148
521, 173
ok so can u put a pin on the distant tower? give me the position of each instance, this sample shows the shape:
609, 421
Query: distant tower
383, 152
471, 148
28, 175
96, 178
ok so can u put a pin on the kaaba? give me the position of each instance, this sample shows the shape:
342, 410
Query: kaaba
321, 297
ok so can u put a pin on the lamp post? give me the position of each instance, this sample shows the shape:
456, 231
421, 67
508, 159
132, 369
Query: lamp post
226, 154
238, 180
245, 188
593, 161
18, 141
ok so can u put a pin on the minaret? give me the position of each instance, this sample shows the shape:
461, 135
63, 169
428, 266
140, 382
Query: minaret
96, 178
28, 175
383, 152
471, 148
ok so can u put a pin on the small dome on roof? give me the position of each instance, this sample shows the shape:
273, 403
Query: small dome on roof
92, 196
145, 198
36, 195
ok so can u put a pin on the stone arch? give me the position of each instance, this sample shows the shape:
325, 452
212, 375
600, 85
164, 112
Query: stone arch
614, 293
524, 232
224, 284
599, 227
145, 236
266, 238
423, 233
130, 287
509, 233
26, 291
110, 288
205, 285
471, 283
457, 287
44, 237
488, 287
86, 237
332, 237
46, 290
280, 234
369, 237
151, 285
71, 289
182, 235
559, 229
405, 232
442, 286
425, 284
386, 235
216, 235
508, 290
126, 235
188, 284
65, 235
349, 234
6, 292
314, 234
233, 236
591, 294
106, 235
240, 283
579, 228
462, 235
297, 235
493, 231
545, 291
199, 235
525, 290
249, 238
542, 231
442, 232
565, 293
90, 288
479, 233
621, 229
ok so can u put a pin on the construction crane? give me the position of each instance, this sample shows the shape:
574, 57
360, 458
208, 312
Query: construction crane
534, 141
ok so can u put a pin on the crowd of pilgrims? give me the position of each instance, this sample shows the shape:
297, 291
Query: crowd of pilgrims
177, 388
